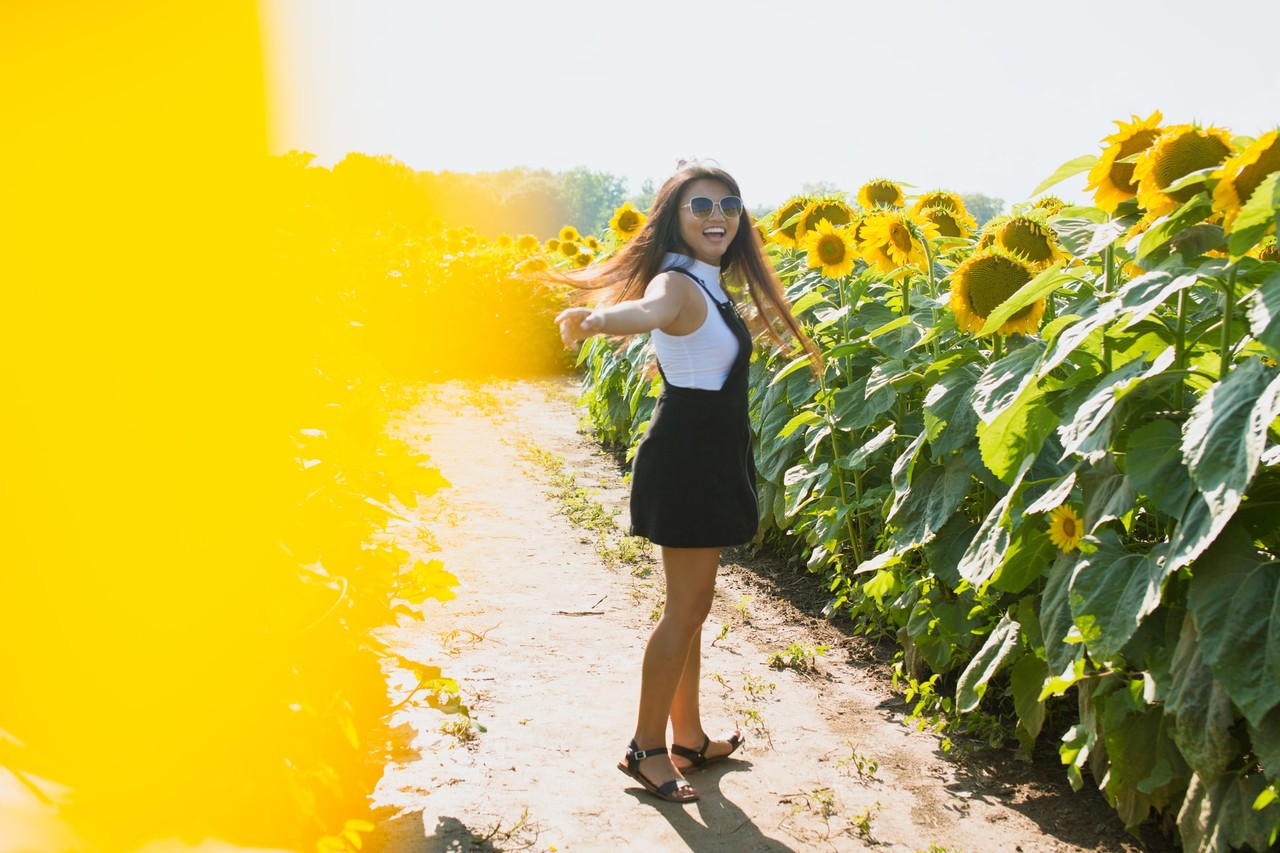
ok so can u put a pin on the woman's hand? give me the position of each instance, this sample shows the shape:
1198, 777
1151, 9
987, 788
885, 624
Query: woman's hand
577, 324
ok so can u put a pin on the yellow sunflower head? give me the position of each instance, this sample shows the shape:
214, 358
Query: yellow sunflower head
1266, 250
1180, 150
1240, 176
531, 266
527, 243
505, 241
1030, 237
552, 245
762, 228
592, 243
1049, 204
1111, 180
833, 210
627, 222
568, 248
582, 259
569, 234
885, 239
939, 198
950, 223
1065, 528
783, 234
830, 249
880, 192
988, 278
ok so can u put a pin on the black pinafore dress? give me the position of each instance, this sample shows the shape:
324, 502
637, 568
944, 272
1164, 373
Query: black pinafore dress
693, 482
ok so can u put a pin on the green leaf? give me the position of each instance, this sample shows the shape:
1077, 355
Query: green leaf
932, 497
857, 459
1002, 382
1256, 216
1088, 434
1112, 590
1217, 814
1077, 333
1202, 711
944, 552
1226, 434
1265, 740
810, 299
1072, 167
1155, 468
1086, 237
989, 660
987, 551
1194, 211
1146, 293
1053, 496
1017, 432
1055, 614
1146, 770
796, 364
1026, 679
1264, 312
1033, 291
949, 419
1235, 599
805, 418
1031, 552
1108, 494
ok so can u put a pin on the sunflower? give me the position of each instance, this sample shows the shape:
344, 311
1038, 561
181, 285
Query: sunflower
568, 248
984, 281
948, 222
1029, 236
582, 259
830, 249
1240, 176
783, 234
1266, 250
1180, 150
527, 243
762, 228
531, 266
1065, 528
505, 241
592, 243
1111, 180
569, 234
885, 239
987, 238
833, 210
552, 245
1050, 204
939, 198
880, 192
627, 222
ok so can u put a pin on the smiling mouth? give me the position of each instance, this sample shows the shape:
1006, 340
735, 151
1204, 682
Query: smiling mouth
714, 232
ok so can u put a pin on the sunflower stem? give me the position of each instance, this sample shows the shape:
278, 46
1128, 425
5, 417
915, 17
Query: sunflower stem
1228, 305
1108, 286
997, 346
1180, 350
835, 457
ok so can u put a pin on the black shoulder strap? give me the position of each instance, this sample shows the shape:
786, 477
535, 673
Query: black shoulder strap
696, 280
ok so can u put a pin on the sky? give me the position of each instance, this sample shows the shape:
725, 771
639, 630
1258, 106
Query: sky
988, 96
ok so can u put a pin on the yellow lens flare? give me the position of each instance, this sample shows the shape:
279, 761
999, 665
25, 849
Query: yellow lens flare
1066, 528
830, 249
1112, 180
1241, 175
983, 282
1179, 150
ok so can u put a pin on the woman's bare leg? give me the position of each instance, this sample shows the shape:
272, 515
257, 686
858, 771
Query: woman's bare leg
686, 717
691, 580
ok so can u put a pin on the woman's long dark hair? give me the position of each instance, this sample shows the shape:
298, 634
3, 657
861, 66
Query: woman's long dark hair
625, 275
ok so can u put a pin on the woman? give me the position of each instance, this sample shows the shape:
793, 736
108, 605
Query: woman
693, 484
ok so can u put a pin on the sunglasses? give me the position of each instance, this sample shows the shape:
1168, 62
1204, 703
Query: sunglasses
702, 207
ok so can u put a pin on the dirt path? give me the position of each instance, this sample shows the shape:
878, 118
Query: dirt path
546, 640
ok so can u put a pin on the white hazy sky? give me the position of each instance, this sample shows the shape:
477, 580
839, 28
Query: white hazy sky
985, 96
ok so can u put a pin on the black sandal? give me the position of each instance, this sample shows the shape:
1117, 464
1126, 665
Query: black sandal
698, 758
670, 791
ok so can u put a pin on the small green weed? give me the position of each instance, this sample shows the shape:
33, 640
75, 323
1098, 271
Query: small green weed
797, 656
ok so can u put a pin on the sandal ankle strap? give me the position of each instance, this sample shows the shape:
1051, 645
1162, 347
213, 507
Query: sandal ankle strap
642, 754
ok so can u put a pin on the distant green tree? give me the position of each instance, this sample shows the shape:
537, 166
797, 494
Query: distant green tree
819, 188
590, 198
643, 200
983, 207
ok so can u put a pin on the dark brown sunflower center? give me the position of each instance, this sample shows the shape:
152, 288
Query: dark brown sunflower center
1027, 240
883, 193
940, 200
1184, 155
785, 214
947, 225
900, 237
1068, 527
990, 281
628, 222
830, 249
836, 214
1122, 173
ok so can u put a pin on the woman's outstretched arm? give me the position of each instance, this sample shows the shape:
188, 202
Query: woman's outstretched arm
659, 307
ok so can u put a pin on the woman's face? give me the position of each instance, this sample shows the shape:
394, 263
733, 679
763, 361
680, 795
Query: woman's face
708, 238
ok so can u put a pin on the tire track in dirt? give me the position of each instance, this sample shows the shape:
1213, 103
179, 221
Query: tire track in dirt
827, 766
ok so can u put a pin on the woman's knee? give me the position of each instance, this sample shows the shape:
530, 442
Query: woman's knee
687, 615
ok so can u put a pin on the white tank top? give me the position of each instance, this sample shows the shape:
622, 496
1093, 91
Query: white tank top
704, 357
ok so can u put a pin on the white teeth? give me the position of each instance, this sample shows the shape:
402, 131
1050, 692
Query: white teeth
716, 231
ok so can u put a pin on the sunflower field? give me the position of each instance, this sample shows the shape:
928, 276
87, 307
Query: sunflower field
1045, 458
